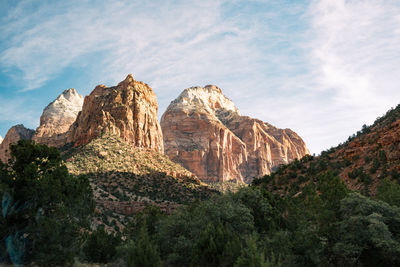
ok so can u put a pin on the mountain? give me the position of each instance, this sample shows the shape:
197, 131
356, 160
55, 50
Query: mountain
362, 162
14, 134
57, 118
128, 110
1, 139
205, 132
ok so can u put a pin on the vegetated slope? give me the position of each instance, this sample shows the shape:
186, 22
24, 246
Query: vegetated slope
362, 162
125, 179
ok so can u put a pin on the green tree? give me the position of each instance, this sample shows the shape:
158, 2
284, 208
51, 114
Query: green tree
251, 256
369, 233
43, 207
217, 246
389, 192
100, 246
143, 253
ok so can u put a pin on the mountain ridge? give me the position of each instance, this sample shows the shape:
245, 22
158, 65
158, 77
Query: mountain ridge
205, 132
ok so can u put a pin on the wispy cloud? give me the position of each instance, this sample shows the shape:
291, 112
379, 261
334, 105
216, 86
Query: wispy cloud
155, 39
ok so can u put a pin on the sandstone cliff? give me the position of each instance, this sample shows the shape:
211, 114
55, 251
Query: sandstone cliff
57, 118
204, 131
1, 139
128, 110
16, 133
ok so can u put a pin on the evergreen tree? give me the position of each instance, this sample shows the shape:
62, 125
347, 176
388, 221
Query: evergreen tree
251, 256
217, 246
43, 207
100, 246
143, 253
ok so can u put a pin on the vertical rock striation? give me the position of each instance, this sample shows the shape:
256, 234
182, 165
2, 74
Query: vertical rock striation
128, 110
14, 134
57, 118
204, 131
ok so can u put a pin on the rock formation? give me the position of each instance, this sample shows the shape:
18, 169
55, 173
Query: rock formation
204, 131
1, 139
128, 110
57, 118
16, 133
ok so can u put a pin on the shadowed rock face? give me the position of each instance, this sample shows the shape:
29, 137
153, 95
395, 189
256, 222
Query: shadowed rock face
57, 118
16, 133
205, 132
128, 110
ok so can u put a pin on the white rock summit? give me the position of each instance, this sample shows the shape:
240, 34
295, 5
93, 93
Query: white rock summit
1, 139
57, 117
207, 99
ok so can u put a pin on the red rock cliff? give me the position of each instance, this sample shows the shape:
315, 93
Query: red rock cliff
16, 133
128, 110
205, 132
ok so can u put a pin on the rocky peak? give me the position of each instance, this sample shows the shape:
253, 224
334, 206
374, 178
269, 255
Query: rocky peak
128, 110
204, 131
57, 118
209, 99
1, 139
14, 134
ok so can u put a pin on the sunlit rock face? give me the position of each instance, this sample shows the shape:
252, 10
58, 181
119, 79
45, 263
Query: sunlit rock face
14, 134
128, 110
57, 118
204, 131
1, 139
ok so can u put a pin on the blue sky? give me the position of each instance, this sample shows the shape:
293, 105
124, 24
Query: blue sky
322, 68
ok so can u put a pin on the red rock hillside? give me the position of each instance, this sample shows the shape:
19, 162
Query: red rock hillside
362, 162
128, 110
16, 133
205, 132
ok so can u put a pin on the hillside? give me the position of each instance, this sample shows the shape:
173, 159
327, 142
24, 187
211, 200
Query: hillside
362, 162
125, 179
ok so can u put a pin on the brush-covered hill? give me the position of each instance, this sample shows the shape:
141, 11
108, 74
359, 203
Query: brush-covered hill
125, 179
363, 162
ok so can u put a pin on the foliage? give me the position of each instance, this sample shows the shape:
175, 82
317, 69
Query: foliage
142, 252
43, 207
368, 232
100, 246
252, 256
389, 192
179, 234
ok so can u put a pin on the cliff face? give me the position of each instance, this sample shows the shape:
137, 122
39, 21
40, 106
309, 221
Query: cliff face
267, 146
16, 133
57, 118
1, 139
205, 132
128, 110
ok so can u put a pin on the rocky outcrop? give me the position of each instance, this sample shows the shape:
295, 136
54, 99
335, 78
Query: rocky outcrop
16, 133
128, 110
57, 118
204, 131
267, 146
1, 139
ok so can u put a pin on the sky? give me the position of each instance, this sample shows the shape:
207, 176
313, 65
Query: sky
322, 68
